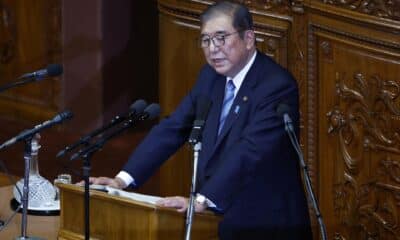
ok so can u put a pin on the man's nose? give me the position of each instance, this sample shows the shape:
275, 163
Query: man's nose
212, 47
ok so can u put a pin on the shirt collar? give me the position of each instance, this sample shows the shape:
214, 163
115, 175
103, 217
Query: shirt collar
238, 79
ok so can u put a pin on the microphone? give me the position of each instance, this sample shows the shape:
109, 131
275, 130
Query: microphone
283, 110
30, 132
150, 112
203, 105
136, 108
52, 70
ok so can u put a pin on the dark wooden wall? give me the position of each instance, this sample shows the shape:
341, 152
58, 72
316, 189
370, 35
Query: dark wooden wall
345, 56
110, 59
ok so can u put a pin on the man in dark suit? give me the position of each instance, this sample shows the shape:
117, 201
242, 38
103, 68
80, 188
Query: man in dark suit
247, 170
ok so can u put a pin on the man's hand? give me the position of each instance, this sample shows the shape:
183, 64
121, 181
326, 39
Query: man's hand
180, 203
112, 182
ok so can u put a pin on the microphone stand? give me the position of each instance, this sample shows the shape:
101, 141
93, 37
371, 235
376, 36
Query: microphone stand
86, 155
86, 174
190, 210
15, 84
25, 195
306, 175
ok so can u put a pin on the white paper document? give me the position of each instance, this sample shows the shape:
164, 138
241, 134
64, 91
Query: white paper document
134, 196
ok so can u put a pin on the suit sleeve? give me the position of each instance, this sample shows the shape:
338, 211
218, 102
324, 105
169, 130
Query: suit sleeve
165, 138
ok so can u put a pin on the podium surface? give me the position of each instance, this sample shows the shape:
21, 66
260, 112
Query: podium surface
113, 217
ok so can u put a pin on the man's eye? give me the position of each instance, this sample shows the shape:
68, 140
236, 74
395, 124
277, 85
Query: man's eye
205, 40
220, 37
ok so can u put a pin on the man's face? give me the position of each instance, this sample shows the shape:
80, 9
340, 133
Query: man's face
229, 58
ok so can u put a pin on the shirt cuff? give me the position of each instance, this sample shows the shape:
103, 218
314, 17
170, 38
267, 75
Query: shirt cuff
126, 178
208, 202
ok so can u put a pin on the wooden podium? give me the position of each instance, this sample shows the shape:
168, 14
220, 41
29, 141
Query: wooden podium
113, 217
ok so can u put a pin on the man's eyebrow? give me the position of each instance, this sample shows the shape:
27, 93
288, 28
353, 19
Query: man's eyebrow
220, 32
216, 33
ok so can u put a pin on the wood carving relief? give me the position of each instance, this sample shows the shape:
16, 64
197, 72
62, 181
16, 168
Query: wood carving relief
7, 33
271, 45
367, 191
276, 6
381, 8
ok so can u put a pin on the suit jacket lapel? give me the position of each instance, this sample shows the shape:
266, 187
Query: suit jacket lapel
211, 128
240, 100
237, 107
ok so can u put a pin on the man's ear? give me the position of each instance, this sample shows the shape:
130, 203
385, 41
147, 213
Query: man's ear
250, 38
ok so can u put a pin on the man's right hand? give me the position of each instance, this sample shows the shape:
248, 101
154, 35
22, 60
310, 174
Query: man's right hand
112, 182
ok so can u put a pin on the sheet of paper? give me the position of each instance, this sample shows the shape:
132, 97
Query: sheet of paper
135, 196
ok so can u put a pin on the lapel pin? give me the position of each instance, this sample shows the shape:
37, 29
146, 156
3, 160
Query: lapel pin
237, 109
245, 98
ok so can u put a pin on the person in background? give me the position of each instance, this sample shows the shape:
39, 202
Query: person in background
248, 171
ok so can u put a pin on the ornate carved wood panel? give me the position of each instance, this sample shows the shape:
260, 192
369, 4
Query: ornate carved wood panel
357, 79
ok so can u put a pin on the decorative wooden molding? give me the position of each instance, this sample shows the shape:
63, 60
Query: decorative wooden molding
389, 9
326, 49
311, 135
262, 7
176, 11
282, 7
358, 38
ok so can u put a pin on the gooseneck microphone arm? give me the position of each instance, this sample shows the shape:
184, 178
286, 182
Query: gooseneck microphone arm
195, 138
137, 107
28, 133
51, 70
16, 84
283, 110
151, 112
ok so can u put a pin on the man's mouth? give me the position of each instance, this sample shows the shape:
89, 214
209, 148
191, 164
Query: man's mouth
218, 61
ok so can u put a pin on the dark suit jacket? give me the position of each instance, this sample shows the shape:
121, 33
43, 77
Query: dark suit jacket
250, 171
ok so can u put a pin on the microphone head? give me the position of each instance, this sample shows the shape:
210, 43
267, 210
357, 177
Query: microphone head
63, 116
282, 109
152, 111
138, 106
54, 70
